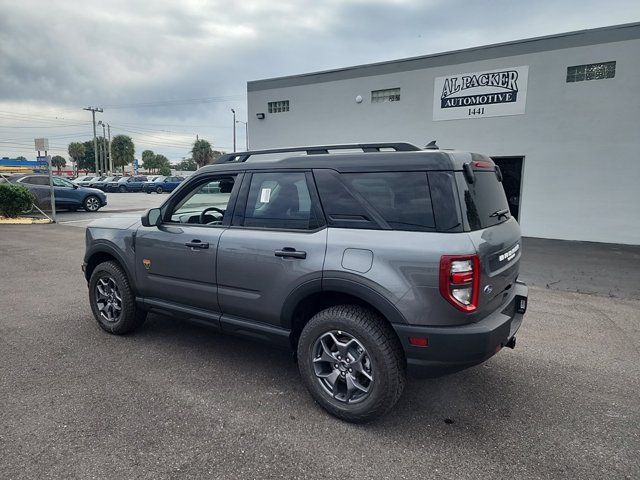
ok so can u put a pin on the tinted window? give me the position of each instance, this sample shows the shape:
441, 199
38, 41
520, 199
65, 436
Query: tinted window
483, 200
279, 200
401, 198
444, 198
341, 208
36, 180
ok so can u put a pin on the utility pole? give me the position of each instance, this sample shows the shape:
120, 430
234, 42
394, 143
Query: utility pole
234, 129
110, 159
93, 111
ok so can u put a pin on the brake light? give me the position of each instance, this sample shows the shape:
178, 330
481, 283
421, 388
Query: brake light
483, 164
460, 281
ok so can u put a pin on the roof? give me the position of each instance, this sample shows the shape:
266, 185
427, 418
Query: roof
348, 162
580, 38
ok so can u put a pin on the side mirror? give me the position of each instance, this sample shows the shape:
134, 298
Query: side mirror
152, 218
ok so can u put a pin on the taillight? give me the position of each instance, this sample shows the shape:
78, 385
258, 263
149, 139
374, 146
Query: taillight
460, 281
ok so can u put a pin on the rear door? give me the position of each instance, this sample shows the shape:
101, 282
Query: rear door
276, 243
493, 231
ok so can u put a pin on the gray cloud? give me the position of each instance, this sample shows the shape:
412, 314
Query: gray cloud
56, 57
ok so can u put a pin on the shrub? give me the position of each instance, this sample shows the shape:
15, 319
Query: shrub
14, 199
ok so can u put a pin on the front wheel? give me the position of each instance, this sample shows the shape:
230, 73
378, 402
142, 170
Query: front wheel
351, 362
112, 300
92, 203
159, 190
122, 189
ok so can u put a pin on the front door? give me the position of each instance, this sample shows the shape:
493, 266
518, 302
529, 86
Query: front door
65, 192
276, 243
176, 261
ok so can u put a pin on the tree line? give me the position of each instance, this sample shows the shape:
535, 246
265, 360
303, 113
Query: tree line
123, 151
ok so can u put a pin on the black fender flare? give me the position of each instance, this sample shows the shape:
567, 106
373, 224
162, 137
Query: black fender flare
105, 247
357, 287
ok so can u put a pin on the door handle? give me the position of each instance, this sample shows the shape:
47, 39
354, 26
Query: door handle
197, 244
288, 252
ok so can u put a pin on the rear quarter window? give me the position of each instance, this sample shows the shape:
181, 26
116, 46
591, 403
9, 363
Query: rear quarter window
376, 200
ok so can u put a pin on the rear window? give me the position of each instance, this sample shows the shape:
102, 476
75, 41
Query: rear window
484, 201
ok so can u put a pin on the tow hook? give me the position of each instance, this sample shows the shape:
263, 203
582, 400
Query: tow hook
511, 343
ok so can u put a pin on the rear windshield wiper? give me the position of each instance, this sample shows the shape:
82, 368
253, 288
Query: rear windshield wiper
500, 213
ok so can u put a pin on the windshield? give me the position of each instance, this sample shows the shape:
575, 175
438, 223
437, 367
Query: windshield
484, 200
157, 179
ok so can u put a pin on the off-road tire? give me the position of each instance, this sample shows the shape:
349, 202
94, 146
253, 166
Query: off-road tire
383, 348
131, 316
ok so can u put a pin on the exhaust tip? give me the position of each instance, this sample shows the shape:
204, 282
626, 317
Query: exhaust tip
511, 343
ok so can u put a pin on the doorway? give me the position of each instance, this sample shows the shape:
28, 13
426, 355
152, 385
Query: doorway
511, 168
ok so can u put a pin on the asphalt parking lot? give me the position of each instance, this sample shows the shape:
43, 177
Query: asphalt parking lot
175, 400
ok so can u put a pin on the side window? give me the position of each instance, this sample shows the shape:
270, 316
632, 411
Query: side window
279, 200
206, 203
401, 198
37, 180
61, 182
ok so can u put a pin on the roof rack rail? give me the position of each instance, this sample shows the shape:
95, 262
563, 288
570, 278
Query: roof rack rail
238, 157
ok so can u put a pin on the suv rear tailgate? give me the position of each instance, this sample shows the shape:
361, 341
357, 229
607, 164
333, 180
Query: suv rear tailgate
499, 249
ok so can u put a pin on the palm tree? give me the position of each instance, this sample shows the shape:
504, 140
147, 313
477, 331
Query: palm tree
58, 162
76, 152
202, 153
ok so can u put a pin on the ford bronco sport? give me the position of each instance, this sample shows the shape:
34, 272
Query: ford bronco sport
367, 260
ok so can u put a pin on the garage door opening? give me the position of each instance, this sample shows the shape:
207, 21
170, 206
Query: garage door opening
512, 181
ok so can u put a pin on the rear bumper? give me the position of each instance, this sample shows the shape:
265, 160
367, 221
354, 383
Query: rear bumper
451, 349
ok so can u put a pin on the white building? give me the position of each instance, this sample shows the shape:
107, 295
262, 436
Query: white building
560, 114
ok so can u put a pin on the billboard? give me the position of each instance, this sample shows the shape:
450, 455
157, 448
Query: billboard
492, 93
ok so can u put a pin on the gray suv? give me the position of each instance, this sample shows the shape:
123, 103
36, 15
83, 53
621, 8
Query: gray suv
367, 260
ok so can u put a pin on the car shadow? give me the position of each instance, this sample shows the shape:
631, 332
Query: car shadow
497, 394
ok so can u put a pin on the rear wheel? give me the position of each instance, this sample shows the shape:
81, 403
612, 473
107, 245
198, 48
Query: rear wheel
351, 362
112, 300
92, 203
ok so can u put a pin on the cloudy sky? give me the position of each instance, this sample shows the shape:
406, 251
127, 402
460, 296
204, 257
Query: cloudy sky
167, 70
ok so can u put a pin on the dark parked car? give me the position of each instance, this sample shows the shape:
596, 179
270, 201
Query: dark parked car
367, 265
68, 195
102, 184
127, 184
162, 184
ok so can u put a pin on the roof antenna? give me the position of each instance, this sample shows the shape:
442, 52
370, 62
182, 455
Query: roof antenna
432, 146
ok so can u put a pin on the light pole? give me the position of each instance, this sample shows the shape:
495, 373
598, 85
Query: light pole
109, 144
234, 129
246, 134
104, 146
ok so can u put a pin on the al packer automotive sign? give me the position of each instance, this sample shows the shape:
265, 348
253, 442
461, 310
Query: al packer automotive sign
493, 93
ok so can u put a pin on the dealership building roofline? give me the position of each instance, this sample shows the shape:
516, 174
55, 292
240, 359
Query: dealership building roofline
580, 38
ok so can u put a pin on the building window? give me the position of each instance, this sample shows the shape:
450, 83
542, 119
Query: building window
387, 95
278, 107
593, 71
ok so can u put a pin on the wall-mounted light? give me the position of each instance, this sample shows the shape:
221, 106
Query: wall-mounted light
260, 116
